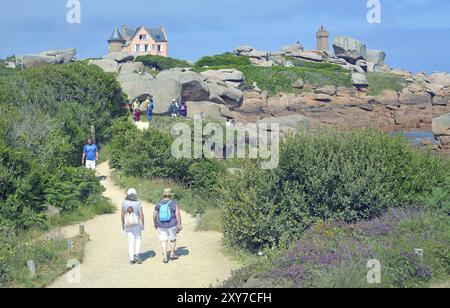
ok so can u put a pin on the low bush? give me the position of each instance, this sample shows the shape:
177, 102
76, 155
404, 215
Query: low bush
335, 254
160, 63
225, 59
384, 81
326, 175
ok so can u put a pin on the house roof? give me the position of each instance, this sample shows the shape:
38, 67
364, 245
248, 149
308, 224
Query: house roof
116, 36
156, 33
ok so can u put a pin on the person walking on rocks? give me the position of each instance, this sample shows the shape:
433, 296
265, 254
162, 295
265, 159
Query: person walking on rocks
90, 155
167, 220
133, 223
136, 107
183, 109
150, 105
174, 108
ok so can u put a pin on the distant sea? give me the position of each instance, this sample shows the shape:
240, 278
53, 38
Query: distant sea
417, 136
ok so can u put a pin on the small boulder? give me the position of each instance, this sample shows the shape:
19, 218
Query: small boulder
359, 80
107, 65
120, 57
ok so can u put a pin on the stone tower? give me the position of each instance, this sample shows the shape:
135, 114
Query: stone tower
116, 41
323, 39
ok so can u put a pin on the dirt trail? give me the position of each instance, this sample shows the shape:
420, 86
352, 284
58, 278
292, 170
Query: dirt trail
106, 257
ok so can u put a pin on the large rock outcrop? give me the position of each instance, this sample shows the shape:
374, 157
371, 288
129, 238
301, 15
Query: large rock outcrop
441, 130
194, 87
208, 111
48, 57
349, 49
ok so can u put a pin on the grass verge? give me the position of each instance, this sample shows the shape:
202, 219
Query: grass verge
50, 255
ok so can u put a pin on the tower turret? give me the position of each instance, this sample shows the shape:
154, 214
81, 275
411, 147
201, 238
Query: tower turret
116, 41
323, 39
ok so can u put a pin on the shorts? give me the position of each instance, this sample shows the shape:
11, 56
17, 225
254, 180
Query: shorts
167, 234
90, 164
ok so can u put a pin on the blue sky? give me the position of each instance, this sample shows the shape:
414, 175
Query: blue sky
414, 33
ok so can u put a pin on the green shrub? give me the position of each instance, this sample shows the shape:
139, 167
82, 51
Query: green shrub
145, 154
222, 60
203, 176
326, 175
162, 63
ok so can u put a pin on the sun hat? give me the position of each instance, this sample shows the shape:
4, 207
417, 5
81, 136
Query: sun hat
167, 192
132, 191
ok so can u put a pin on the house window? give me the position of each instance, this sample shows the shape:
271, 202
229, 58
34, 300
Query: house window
159, 48
137, 48
146, 48
143, 37
154, 47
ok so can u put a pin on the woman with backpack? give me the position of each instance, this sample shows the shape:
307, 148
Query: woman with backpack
183, 109
133, 223
167, 220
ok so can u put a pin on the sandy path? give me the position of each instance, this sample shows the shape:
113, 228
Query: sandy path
106, 256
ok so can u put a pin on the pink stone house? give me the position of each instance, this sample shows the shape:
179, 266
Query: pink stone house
140, 41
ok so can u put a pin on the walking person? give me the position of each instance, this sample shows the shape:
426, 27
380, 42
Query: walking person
90, 155
183, 109
174, 108
133, 223
167, 220
149, 103
136, 107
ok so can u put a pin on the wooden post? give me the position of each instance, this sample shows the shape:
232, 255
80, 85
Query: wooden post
198, 219
82, 231
32, 268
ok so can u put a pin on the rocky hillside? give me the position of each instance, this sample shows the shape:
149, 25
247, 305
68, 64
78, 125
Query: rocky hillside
350, 88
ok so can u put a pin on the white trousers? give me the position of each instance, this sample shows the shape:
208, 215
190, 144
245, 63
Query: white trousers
134, 241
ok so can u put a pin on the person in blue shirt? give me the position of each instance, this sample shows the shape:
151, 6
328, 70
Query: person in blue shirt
90, 155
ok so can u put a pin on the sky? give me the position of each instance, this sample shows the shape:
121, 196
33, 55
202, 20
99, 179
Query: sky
415, 34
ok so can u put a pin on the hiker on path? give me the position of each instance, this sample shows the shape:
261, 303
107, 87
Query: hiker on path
174, 108
150, 105
90, 155
133, 223
167, 220
136, 108
183, 109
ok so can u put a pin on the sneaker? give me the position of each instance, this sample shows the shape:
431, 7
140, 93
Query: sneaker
166, 259
138, 260
174, 257
132, 262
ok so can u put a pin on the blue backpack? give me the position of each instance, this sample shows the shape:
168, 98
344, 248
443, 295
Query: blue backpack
165, 213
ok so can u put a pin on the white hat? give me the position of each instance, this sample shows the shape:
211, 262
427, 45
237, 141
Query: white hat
132, 191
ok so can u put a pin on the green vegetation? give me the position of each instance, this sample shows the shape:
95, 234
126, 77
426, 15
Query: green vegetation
325, 175
335, 254
51, 257
226, 59
384, 81
162, 63
45, 117
148, 154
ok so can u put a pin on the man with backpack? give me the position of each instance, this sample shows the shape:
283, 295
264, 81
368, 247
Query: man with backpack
167, 220
174, 108
150, 105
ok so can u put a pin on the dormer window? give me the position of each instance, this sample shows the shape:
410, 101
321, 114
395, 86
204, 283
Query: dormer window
143, 37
